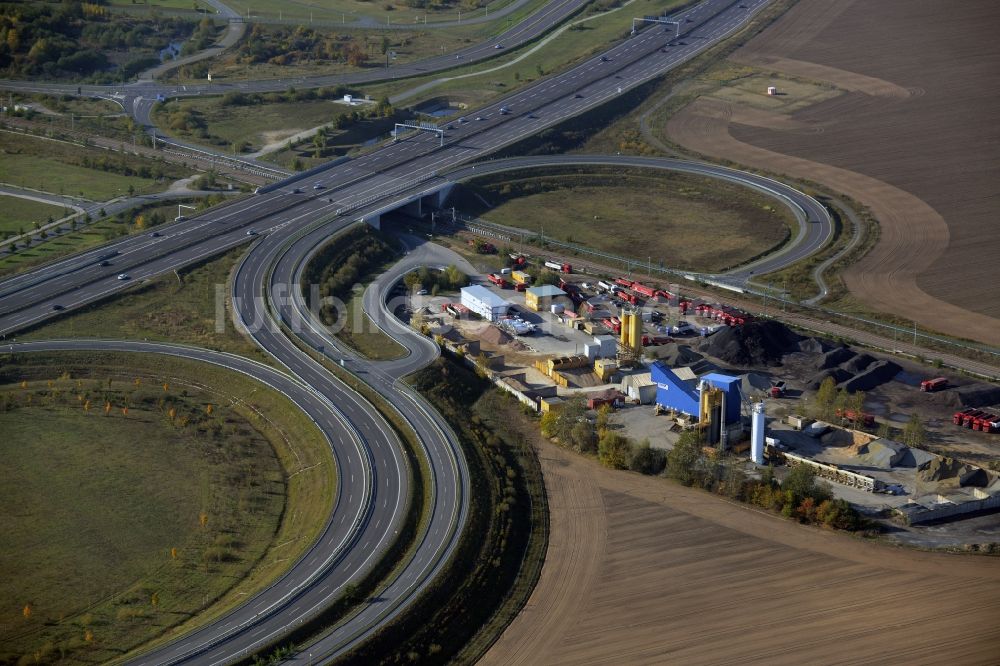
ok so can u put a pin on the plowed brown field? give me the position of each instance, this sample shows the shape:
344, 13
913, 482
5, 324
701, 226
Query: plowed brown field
916, 138
643, 571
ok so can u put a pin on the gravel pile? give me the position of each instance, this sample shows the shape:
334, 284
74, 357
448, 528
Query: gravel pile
753, 344
878, 373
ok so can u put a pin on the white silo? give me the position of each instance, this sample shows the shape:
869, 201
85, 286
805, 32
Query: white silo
757, 434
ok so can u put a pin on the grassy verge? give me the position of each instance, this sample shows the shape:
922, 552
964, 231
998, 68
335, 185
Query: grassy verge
201, 582
677, 220
333, 10
179, 307
61, 167
342, 269
499, 556
19, 215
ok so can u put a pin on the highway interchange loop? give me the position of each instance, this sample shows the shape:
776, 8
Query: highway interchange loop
287, 224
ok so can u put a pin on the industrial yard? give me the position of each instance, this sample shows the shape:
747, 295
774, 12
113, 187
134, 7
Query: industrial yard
667, 363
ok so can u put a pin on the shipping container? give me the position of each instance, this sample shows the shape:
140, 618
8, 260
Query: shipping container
520, 277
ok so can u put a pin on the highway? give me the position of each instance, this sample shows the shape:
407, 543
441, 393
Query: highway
138, 97
280, 219
369, 503
366, 184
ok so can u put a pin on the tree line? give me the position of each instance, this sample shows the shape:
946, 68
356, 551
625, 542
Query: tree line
800, 496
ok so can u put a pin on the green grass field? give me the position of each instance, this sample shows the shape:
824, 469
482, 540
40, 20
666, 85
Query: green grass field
99, 502
166, 309
57, 166
267, 455
396, 11
17, 214
259, 124
682, 221
189, 5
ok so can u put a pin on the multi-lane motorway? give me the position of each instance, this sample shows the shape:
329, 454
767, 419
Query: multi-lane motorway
287, 225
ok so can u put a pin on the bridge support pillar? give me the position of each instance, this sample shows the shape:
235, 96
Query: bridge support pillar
374, 219
443, 194
415, 207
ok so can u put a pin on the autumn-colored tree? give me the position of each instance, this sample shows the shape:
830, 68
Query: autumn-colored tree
173, 553
88, 636
166, 387
140, 222
124, 411
86, 406
27, 611
24, 383
154, 600
209, 409
107, 408
172, 413
137, 382
203, 519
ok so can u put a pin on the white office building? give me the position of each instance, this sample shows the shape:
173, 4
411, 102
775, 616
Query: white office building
484, 302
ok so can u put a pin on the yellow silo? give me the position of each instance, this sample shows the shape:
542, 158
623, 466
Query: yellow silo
635, 331
626, 332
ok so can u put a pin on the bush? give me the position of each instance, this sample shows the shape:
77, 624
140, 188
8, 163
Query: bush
614, 451
647, 460
683, 459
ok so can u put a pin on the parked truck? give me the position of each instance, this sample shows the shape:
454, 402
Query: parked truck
556, 266
864, 419
498, 280
936, 384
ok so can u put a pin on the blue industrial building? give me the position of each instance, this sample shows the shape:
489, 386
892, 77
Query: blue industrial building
679, 391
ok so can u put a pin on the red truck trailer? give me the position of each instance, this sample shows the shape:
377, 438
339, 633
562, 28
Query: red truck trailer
640, 288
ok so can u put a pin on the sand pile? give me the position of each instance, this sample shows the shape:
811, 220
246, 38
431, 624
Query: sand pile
495, 336
948, 471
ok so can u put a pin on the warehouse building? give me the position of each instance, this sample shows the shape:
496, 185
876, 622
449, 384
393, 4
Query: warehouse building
541, 298
484, 302
712, 400
640, 388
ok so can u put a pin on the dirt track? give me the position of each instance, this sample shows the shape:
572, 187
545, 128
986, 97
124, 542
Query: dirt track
914, 138
641, 570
